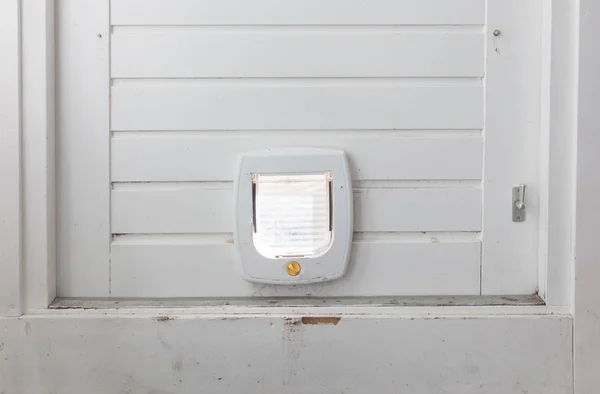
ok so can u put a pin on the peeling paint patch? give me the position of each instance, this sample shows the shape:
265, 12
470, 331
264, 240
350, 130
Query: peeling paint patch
291, 325
164, 318
321, 320
290, 321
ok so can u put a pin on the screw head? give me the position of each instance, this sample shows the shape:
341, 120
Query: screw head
497, 32
293, 268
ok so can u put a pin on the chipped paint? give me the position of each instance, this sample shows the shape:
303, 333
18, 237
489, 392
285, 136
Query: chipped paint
312, 320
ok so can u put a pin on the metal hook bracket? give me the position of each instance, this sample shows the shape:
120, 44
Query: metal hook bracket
518, 203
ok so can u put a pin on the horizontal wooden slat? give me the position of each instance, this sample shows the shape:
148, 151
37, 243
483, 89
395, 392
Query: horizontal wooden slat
376, 269
188, 52
296, 12
417, 209
178, 210
195, 105
205, 156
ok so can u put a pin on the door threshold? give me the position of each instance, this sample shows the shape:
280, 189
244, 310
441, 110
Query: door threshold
270, 302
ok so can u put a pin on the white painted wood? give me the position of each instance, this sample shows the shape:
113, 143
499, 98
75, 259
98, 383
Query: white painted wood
512, 132
200, 125
544, 148
170, 208
156, 269
39, 216
255, 53
298, 105
297, 12
586, 308
558, 157
506, 354
139, 352
194, 208
213, 156
433, 209
83, 139
10, 159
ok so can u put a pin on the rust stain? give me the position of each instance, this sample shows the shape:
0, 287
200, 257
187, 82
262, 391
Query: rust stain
321, 320
163, 318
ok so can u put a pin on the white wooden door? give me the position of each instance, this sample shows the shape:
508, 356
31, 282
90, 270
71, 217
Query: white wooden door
439, 116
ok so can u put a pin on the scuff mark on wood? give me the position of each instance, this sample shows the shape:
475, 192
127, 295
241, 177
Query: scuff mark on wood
290, 321
177, 364
321, 320
291, 325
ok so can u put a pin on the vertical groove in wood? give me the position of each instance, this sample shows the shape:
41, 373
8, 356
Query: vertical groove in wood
485, 94
110, 163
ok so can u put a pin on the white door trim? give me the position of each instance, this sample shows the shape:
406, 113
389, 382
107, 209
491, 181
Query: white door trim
557, 151
38, 152
10, 158
586, 309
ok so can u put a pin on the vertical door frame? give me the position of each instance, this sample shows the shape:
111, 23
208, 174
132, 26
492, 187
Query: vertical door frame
27, 156
557, 151
10, 159
586, 305
38, 153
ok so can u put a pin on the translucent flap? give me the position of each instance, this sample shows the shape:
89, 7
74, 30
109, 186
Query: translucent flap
292, 214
